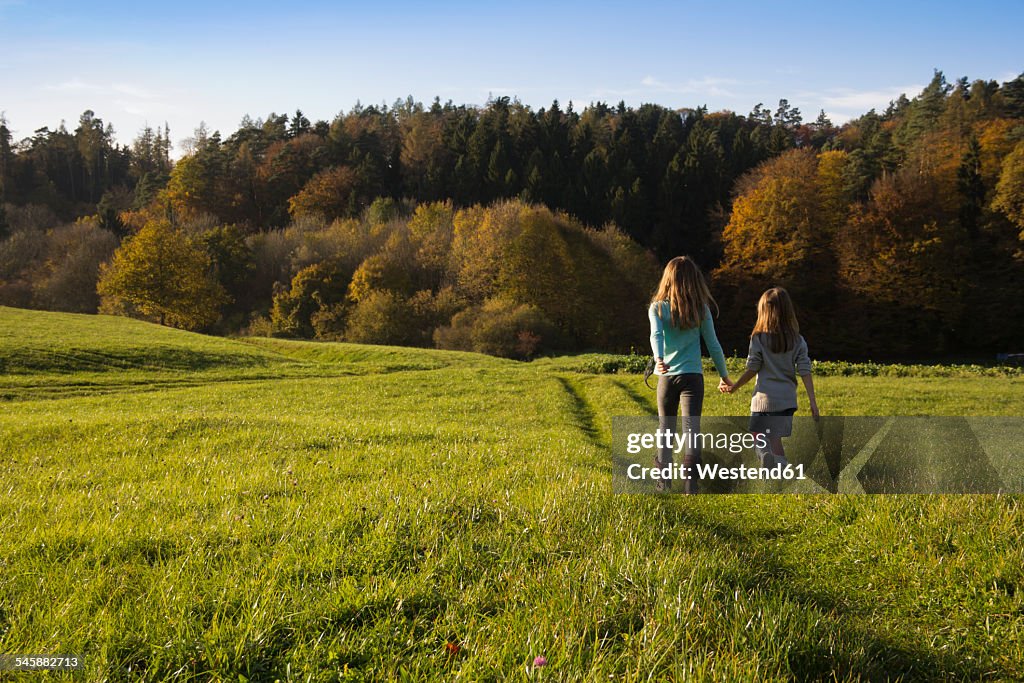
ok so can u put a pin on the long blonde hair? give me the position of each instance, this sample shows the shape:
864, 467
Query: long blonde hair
776, 317
684, 288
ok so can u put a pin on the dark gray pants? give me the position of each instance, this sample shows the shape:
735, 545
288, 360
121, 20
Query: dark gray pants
680, 394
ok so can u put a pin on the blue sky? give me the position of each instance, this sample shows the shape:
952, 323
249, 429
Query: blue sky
214, 62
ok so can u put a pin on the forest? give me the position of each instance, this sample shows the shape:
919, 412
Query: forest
518, 232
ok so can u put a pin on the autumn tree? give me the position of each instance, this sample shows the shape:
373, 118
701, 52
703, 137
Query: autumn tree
66, 281
781, 231
317, 288
1009, 195
538, 269
163, 273
393, 268
424, 156
902, 261
431, 231
479, 239
776, 225
330, 193
286, 167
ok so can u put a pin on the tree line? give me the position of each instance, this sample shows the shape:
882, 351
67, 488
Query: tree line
898, 232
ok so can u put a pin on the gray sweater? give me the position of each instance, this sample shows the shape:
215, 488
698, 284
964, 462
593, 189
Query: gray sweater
776, 373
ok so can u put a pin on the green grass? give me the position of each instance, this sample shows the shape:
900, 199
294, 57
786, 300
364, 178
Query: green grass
179, 506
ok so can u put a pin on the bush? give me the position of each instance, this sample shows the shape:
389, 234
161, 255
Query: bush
382, 210
381, 317
68, 280
329, 322
259, 326
603, 363
30, 217
456, 336
313, 288
500, 328
21, 249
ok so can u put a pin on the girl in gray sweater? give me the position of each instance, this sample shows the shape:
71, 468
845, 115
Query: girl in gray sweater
778, 354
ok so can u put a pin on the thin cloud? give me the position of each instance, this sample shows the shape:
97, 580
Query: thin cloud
136, 100
134, 91
867, 99
69, 86
133, 109
125, 89
709, 85
651, 86
844, 104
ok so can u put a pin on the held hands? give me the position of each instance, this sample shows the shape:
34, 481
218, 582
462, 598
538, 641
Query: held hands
662, 368
725, 385
814, 411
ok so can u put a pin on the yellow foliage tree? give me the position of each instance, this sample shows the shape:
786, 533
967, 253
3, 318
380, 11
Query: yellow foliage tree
392, 269
777, 220
1009, 197
163, 273
781, 232
833, 195
432, 230
538, 269
480, 236
997, 140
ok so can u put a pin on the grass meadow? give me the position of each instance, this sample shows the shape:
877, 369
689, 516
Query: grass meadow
176, 506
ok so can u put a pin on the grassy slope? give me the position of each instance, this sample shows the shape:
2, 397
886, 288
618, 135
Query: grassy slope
204, 506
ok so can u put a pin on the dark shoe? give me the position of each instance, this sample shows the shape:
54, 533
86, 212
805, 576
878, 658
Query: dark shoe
662, 485
765, 457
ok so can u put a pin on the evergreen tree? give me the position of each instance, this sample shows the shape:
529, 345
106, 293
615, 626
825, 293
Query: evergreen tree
6, 157
299, 125
924, 111
971, 188
787, 115
5, 167
108, 215
1013, 97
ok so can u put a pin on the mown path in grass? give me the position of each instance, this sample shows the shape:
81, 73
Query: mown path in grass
340, 512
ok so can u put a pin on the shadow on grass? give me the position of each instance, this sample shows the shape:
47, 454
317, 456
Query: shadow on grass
582, 413
848, 650
647, 404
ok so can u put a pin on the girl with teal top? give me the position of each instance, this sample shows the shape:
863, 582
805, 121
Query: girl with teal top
680, 315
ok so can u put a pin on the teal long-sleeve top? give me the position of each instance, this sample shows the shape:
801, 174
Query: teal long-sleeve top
680, 349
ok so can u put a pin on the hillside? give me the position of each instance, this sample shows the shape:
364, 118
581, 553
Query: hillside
61, 354
182, 505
